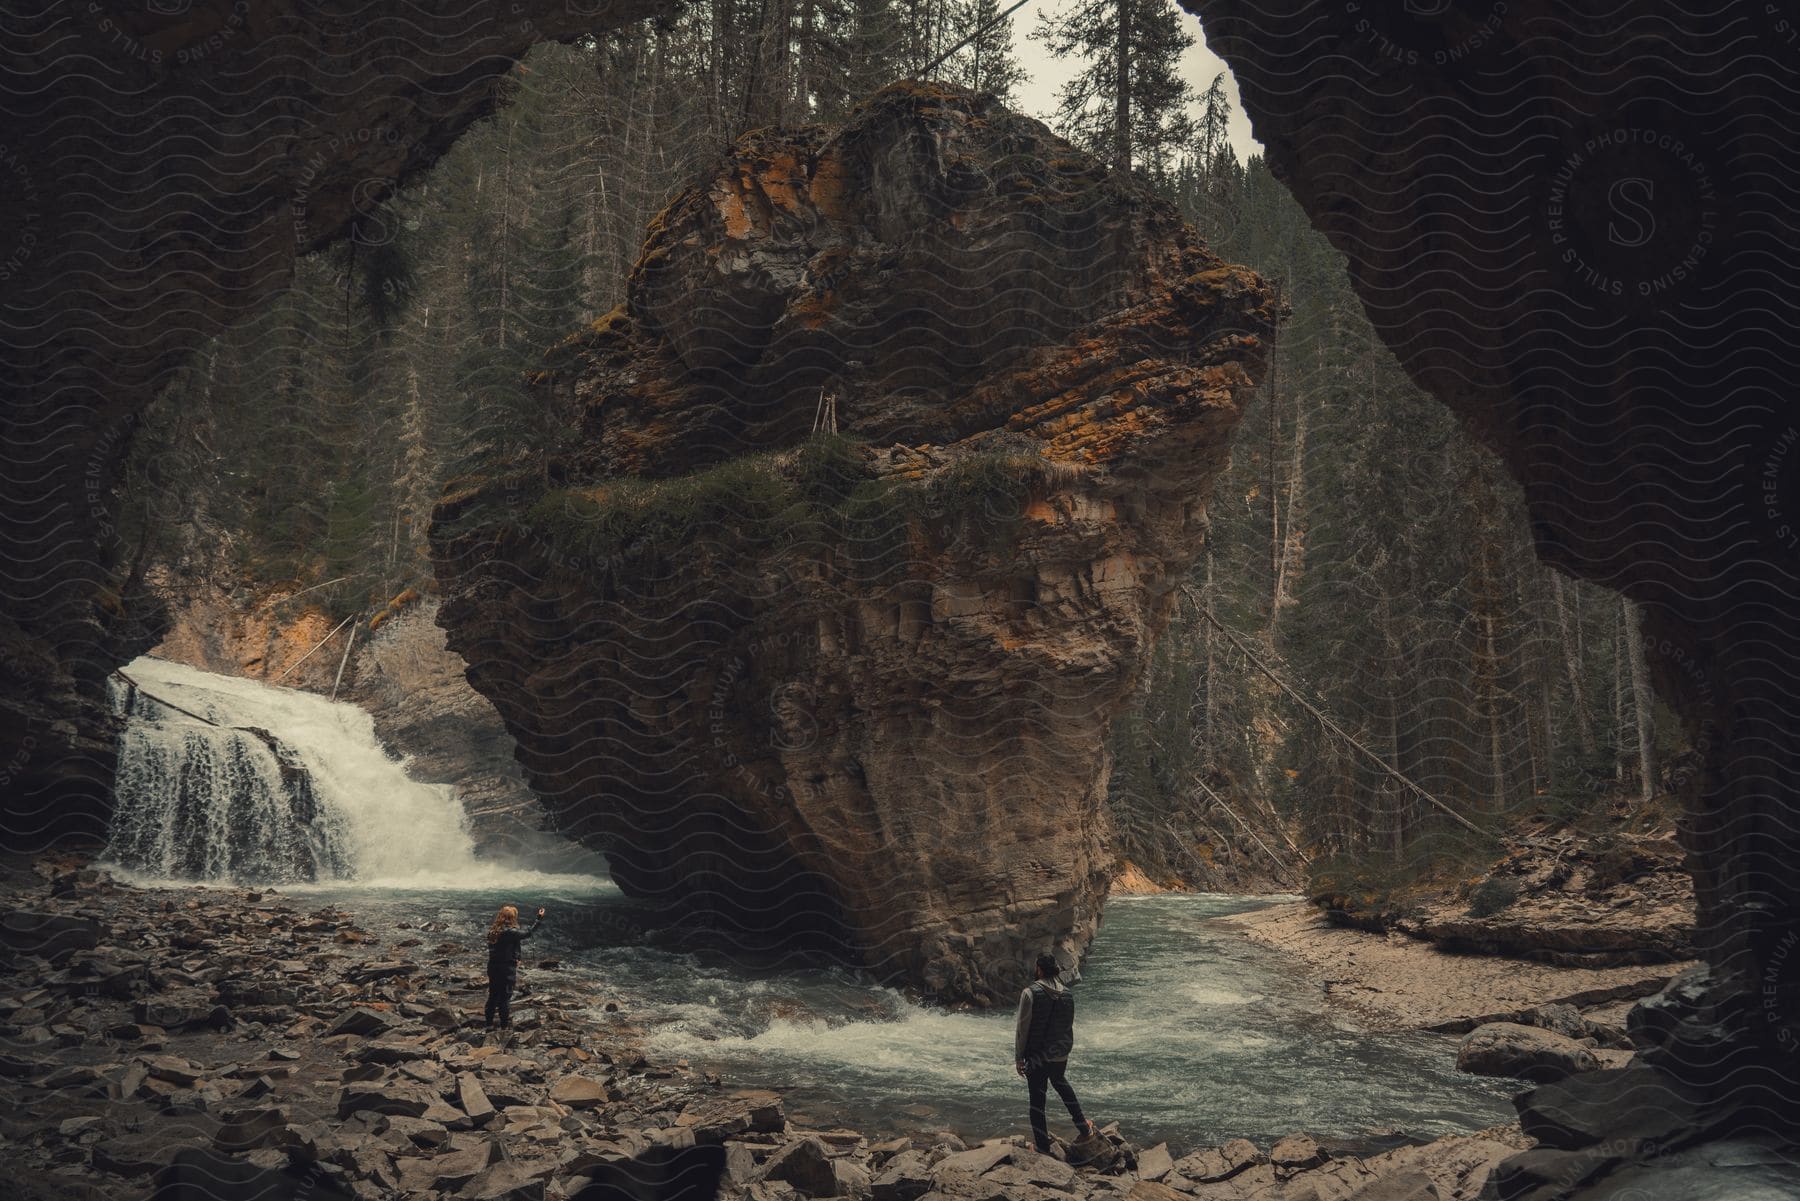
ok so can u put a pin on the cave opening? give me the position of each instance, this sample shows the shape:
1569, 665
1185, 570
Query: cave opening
1645, 412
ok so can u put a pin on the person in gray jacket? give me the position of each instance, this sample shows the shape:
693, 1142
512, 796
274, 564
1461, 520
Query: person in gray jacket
1042, 1040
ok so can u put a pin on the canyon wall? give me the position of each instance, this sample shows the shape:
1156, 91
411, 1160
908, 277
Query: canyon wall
1573, 225
419, 695
846, 691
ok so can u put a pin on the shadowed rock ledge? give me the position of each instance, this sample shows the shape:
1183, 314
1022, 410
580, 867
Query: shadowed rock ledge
847, 691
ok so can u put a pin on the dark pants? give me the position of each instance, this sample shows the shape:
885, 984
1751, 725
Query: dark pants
500, 990
1036, 1077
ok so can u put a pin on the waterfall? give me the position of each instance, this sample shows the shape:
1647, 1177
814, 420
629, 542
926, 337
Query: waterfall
229, 779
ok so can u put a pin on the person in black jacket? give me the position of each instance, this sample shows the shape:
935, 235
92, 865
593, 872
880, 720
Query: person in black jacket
1042, 1040
504, 952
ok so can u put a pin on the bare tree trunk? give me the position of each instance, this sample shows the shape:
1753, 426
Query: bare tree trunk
1274, 505
1287, 567
1209, 680
781, 74
1642, 701
652, 98
1496, 749
803, 62
503, 249
717, 54
1122, 86
1487, 663
1619, 655
978, 77
1549, 736
1400, 806
1580, 643
752, 112
1390, 687
1584, 724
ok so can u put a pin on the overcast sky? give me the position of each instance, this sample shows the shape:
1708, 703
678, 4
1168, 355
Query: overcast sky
1038, 97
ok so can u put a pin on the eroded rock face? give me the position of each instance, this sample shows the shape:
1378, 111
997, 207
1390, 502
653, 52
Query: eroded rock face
1581, 254
1630, 901
424, 709
163, 166
850, 691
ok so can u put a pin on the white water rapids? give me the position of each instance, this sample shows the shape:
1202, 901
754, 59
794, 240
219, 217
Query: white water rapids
205, 795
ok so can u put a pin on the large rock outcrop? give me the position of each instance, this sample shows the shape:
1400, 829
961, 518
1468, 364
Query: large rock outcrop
849, 690
163, 165
1572, 222
1593, 899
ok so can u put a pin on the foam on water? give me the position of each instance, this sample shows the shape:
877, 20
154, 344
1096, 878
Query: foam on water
1183, 1030
201, 795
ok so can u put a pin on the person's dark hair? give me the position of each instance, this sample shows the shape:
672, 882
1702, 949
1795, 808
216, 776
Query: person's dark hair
1047, 967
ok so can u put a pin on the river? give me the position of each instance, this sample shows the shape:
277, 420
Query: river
1185, 1031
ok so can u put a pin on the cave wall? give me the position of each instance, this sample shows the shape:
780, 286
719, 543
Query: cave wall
1573, 223
161, 167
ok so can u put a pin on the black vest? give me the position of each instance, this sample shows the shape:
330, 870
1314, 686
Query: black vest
1052, 1032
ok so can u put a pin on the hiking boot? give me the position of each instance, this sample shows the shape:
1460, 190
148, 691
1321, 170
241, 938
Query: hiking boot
1087, 1130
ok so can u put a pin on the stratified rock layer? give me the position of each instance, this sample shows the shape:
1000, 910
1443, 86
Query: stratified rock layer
851, 689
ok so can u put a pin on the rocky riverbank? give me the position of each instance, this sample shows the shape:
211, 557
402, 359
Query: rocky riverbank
1536, 961
1593, 919
1395, 981
277, 1050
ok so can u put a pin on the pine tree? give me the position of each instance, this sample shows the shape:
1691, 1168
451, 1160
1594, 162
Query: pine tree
1213, 197
1129, 102
987, 63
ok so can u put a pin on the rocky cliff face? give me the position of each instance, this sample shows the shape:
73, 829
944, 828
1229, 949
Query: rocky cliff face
163, 166
237, 629
416, 690
1582, 251
849, 689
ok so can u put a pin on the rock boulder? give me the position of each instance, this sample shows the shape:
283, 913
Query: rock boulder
1509, 1049
883, 660
805, 1164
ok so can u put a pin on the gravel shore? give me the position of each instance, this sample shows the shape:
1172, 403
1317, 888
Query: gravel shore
1393, 981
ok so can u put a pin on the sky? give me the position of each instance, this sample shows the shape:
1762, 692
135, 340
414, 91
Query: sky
1048, 74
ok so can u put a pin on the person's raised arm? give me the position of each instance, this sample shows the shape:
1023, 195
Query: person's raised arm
535, 923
